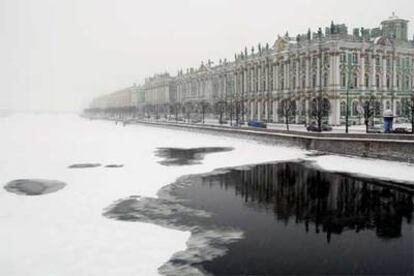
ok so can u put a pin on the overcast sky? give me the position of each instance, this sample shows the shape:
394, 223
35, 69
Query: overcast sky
58, 54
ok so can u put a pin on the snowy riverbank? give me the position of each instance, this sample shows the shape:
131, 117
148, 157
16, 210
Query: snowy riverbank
64, 233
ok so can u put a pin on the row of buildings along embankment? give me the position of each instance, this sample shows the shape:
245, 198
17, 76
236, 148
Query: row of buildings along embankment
342, 71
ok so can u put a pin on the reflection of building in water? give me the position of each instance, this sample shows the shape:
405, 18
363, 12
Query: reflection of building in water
332, 202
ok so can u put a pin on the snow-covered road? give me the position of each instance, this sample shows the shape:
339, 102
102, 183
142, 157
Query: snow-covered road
64, 233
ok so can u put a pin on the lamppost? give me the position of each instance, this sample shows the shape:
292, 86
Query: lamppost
349, 69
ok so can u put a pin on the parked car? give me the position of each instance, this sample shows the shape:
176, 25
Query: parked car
402, 130
375, 130
314, 127
255, 123
195, 121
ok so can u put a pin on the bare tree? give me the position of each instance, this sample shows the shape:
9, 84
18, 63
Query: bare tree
176, 107
204, 107
408, 109
188, 109
319, 110
287, 109
220, 109
368, 106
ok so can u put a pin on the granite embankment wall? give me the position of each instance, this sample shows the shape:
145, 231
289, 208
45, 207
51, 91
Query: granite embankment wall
397, 147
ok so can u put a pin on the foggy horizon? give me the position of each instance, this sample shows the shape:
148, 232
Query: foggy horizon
58, 55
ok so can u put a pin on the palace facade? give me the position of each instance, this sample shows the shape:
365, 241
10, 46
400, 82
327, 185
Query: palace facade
344, 69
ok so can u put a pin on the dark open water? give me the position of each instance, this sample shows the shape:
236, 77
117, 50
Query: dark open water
295, 219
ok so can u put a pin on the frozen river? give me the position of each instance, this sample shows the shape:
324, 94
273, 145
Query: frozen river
63, 232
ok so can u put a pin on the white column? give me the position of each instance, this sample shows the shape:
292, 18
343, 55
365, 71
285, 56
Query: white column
276, 78
297, 114
334, 116
275, 111
362, 76
374, 74
318, 71
384, 73
307, 72
394, 75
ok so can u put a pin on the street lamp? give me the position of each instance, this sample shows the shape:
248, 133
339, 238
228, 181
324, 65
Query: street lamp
349, 69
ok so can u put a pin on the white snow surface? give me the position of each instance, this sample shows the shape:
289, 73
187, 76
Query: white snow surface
64, 233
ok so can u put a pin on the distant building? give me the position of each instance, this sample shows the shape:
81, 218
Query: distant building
369, 63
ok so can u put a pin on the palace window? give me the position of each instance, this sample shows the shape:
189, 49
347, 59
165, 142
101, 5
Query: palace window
398, 108
325, 59
388, 82
367, 80
314, 81
355, 81
343, 108
407, 83
355, 58
343, 80
377, 61
325, 80
355, 109
303, 82
303, 109
388, 62
342, 58
377, 81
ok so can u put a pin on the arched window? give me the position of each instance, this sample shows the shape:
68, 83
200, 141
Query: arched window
343, 80
398, 82
355, 108
342, 58
343, 108
355, 58
398, 108
388, 82
377, 81
294, 82
355, 81
303, 83
367, 81
313, 80
326, 107
325, 80
303, 108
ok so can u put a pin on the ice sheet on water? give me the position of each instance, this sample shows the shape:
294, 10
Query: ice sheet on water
114, 166
33, 187
207, 240
190, 156
84, 165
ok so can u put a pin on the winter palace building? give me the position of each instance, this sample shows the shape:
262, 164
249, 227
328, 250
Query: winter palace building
341, 66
